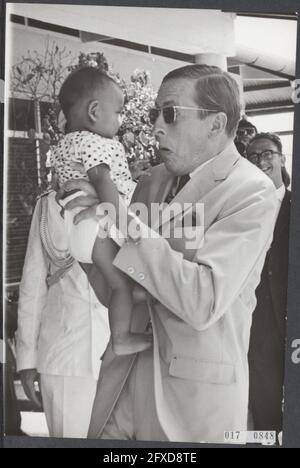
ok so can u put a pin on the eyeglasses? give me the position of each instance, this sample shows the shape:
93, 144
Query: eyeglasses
267, 155
170, 113
246, 132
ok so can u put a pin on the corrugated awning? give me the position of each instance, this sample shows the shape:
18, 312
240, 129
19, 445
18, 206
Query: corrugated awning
280, 66
264, 99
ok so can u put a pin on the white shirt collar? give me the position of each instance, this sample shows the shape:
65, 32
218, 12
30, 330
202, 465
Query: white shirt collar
280, 192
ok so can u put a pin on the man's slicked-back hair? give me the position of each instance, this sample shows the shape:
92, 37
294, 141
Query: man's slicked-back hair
82, 83
215, 90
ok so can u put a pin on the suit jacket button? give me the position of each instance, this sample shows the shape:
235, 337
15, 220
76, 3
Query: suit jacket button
141, 276
130, 270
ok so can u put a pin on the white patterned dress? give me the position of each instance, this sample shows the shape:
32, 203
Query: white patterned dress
89, 150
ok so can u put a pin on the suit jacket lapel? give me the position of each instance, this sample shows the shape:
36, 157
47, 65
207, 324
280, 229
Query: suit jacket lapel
214, 172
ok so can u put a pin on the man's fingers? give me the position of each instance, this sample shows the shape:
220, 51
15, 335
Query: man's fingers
30, 392
139, 294
85, 214
79, 184
82, 201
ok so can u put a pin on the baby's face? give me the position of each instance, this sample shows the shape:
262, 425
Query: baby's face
109, 117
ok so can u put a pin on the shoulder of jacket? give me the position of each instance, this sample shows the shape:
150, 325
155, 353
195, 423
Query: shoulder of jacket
253, 177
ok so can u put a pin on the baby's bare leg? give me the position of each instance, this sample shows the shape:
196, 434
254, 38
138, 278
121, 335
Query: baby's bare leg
120, 304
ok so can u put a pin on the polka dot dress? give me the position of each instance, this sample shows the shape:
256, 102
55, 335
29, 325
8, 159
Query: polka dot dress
80, 151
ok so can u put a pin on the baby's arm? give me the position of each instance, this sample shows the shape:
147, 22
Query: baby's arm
106, 190
98, 283
105, 249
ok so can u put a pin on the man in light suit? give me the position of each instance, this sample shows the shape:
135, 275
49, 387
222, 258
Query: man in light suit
62, 328
193, 385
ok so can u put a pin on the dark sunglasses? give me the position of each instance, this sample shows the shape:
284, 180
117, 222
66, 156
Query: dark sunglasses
246, 131
170, 113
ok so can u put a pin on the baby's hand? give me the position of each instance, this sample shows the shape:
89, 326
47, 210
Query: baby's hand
76, 166
87, 200
79, 184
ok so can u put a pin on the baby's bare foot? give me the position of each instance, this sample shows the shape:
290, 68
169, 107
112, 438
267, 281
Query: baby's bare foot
131, 343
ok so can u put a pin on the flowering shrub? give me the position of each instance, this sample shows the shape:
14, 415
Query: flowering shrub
136, 131
93, 59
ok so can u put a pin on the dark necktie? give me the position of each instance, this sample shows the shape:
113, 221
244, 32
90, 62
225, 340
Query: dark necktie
177, 186
181, 183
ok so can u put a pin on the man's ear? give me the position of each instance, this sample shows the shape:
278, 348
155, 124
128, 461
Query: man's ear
218, 124
283, 160
93, 110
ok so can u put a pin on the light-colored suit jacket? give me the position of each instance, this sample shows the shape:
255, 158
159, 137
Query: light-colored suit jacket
62, 329
202, 301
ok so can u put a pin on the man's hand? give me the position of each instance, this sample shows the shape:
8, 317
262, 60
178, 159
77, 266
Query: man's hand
28, 378
88, 202
139, 294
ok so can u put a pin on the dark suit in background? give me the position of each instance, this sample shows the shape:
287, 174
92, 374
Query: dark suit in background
267, 339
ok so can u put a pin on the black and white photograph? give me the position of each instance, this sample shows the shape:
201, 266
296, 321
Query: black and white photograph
148, 188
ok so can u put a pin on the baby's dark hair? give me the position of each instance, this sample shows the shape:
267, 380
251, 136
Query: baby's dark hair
82, 83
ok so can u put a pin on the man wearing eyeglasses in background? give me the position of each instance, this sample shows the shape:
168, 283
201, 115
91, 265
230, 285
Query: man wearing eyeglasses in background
267, 340
193, 385
244, 134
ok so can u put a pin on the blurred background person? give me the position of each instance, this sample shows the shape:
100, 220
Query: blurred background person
244, 134
267, 340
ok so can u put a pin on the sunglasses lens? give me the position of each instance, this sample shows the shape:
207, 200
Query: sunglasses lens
153, 115
169, 114
246, 131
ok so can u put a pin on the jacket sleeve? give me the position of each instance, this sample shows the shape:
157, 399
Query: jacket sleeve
200, 291
32, 297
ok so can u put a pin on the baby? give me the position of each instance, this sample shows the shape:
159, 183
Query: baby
92, 103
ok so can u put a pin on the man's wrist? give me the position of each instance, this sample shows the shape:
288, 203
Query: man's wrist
133, 230
67, 197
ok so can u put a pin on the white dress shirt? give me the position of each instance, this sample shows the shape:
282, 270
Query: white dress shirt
280, 193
